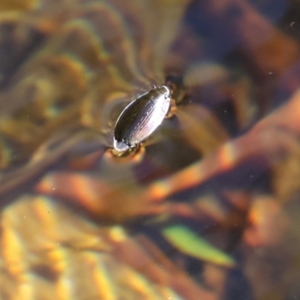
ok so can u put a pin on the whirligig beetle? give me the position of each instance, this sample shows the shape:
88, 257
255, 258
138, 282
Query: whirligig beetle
141, 117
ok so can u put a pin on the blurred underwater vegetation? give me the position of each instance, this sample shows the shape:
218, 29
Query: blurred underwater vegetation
207, 208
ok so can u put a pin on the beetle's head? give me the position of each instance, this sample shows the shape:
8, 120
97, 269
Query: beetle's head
164, 91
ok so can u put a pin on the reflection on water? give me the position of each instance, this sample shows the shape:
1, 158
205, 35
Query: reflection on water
207, 208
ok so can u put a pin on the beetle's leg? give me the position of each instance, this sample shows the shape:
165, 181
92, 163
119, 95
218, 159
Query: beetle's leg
172, 109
